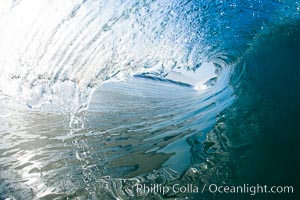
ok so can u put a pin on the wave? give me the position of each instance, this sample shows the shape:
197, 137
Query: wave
95, 138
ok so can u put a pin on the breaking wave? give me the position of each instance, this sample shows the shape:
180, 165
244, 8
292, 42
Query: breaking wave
101, 95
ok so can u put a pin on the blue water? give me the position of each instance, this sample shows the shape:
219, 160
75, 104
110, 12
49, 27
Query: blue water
88, 110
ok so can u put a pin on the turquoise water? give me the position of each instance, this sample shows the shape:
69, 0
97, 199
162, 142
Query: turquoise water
90, 106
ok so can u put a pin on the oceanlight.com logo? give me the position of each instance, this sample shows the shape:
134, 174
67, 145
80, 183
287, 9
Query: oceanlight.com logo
250, 189
143, 189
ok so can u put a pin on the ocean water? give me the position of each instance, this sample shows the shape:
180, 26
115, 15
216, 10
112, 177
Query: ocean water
100, 96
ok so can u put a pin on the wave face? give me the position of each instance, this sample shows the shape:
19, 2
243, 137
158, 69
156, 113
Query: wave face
70, 131
131, 132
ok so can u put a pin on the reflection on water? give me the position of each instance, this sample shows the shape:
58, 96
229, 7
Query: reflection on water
131, 128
